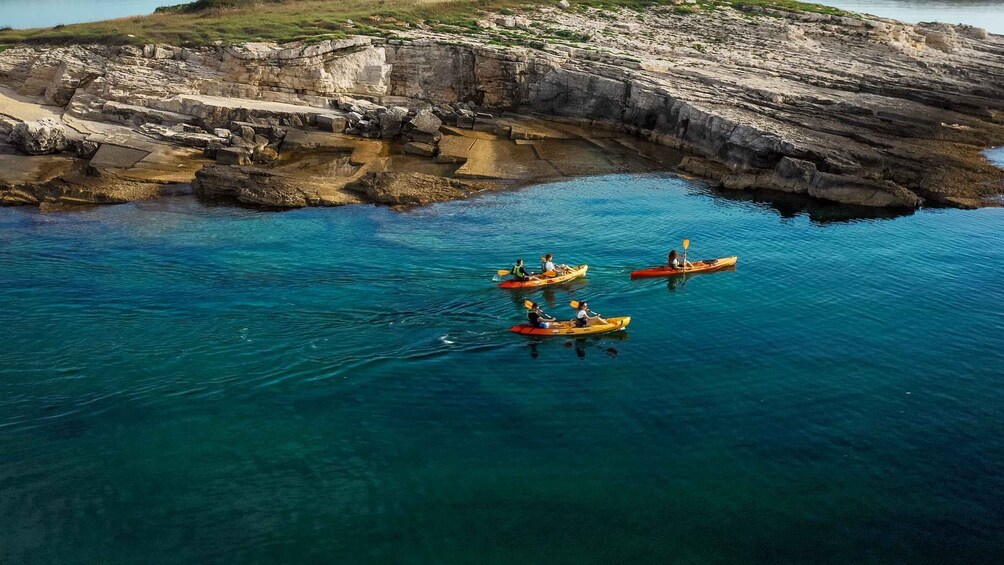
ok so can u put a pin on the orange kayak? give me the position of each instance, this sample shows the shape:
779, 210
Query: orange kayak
570, 329
538, 280
705, 266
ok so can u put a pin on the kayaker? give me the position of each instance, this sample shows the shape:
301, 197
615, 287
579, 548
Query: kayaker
538, 318
519, 272
673, 259
583, 319
548, 266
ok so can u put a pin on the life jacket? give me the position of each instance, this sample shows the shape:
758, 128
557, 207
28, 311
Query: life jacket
519, 271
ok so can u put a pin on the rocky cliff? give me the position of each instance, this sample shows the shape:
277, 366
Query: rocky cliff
854, 110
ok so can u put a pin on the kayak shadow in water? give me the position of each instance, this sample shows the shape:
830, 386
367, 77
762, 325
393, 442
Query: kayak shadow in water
582, 346
679, 282
550, 298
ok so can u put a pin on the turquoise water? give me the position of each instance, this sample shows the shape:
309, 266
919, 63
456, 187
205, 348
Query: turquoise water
182, 383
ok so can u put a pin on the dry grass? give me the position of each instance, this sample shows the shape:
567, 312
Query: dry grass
255, 21
235, 21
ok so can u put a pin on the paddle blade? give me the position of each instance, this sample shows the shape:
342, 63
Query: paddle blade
686, 243
503, 272
549, 274
528, 304
574, 304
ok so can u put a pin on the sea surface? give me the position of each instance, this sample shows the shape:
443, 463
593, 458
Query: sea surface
185, 383
988, 14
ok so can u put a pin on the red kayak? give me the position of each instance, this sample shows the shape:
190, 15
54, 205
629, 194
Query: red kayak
705, 266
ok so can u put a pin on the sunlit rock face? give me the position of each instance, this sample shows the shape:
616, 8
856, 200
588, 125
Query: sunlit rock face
870, 112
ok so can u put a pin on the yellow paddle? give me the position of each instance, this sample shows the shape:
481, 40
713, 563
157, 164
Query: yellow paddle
529, 306
504, 272
547, 274
575, 304
686, 245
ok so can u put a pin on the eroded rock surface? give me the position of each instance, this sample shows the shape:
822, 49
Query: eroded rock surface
854, 110
414, 189
39, 138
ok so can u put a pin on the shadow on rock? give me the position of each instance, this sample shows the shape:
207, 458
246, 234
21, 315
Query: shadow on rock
789, 205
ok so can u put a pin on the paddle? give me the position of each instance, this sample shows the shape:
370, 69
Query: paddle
575, 304
529, 306
548, 274
504, 272
686, 245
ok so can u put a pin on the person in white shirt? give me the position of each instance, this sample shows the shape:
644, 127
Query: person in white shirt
673, 259
548, 265
583, 319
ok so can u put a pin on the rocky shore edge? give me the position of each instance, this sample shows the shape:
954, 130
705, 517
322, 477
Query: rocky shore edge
851, 110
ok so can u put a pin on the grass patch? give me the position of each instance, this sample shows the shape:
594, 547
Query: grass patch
787, 6
569, 35
236, 21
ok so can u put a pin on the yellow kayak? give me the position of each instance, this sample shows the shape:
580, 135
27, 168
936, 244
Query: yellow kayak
538, 280
570, 329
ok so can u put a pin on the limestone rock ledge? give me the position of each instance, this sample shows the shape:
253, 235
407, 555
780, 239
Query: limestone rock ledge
77, 188
853, 110
255, 186
403, 190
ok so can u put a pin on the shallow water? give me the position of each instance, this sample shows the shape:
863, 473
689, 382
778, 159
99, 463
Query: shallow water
182, 383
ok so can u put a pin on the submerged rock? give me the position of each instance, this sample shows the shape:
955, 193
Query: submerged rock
419, 148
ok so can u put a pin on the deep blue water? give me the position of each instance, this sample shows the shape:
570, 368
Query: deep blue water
183, 383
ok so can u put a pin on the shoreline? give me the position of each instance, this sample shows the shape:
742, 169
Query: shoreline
432, 116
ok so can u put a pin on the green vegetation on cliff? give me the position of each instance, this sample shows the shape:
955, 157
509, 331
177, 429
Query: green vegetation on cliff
232, 21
